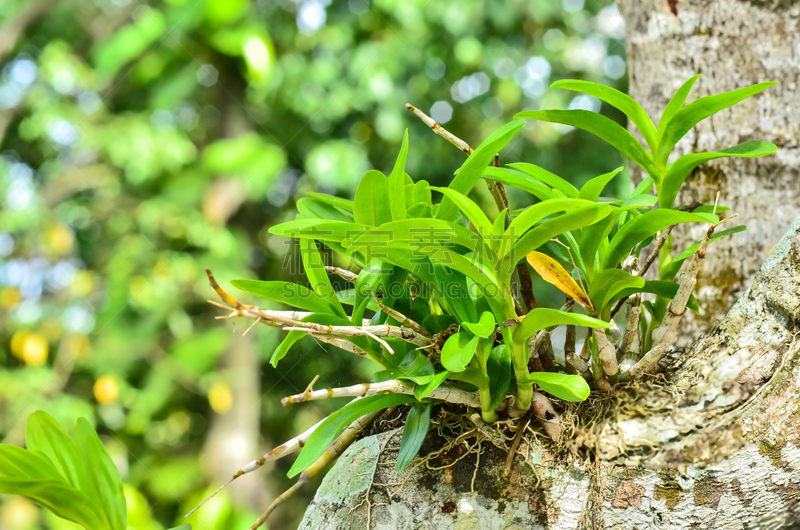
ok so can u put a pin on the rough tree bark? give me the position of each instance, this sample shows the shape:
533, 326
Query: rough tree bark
733, 43
715, 442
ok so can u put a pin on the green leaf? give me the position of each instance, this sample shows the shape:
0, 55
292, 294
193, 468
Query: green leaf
517, 179
697, 111
102, 474
397, 192
458, 351
314, 209
59, 497
293, 336
680, 169
569, 387
322, 437
541, 317
414, 367
469, 209
484, 328
675, 104
371, 205
473, 168
318, 276
182, 527
551, 179
319, 229
16, 462
453, 286
572, 220
662, 288
422, 391
608, 283
414, 433
644, 187
531, 216
288, 293
637, 230
616, 99
591, 190
671, 270
43, 433
602, 127
422, 192
594, 235
344, 204
498, 368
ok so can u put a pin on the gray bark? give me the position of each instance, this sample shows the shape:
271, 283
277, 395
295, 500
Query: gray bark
734, 44
715, 443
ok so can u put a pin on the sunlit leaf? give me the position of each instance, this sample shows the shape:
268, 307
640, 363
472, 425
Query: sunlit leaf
397, 195
569, 387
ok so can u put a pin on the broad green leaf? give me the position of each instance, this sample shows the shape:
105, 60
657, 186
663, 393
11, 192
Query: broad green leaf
531, 216
553, 273
591, 190
472, 376
680, 169
542, 317
59, 497
458, 351
319, 229
551, 179
602, 127
414, 367
619, 100
671, 270
421, 210
470, 266
182, 527
571, 220
422, 192
454, 288
422, 391
697, 111
292, 294
569, 387
102, 474
644, 187
594, 235
43, 433
318, 276
662, 288
675, 104
468, 207
608, 283
344, 204
371, 204
314, 209
517, 179
414, 433
473, 168
397, 193
637, 230
17, 462
483, 328
499, 370
322, 437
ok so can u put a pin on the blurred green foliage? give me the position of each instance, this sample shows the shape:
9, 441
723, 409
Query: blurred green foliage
142, 141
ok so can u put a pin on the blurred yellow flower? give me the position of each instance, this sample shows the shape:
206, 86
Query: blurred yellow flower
32, 348
60, 239
106, 389
220, 398
9, 297
82, 284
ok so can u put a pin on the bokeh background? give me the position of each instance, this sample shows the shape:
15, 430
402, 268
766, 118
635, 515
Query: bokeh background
141, 141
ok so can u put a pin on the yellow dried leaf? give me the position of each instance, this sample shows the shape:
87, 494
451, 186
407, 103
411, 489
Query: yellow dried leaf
553, 273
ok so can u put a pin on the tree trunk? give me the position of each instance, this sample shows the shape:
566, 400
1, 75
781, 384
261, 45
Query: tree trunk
734, 44
715, 442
